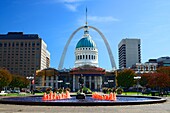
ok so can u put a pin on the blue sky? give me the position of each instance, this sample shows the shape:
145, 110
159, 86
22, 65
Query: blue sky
55, 20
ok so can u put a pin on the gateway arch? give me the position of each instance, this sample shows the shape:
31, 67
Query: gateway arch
104, 39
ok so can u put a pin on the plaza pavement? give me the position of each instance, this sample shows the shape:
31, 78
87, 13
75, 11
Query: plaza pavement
149, 108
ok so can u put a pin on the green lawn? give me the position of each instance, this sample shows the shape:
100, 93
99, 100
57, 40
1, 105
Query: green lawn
135, 93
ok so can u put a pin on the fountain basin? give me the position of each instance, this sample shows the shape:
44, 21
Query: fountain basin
89, 101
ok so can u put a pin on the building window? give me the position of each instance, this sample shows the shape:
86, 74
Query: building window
89, 56
21, 44
17, 44
38, 43
54, 85
33, 44
86, 56
83, 56
5, 44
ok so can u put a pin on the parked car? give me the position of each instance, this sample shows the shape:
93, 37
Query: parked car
7, 91
15, 91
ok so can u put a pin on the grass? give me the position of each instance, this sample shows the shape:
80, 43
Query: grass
140, 94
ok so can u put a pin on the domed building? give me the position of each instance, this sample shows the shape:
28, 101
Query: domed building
86, 63
86, 52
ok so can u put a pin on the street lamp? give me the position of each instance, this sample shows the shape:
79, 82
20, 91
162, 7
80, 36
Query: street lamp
60, 81
110, 83
31, 78
137, 78
105, 84
67, 83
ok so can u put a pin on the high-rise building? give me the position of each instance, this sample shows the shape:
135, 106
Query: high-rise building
129, 52
23, 54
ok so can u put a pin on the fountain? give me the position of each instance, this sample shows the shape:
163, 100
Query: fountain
90, 100
55, 96
95, 99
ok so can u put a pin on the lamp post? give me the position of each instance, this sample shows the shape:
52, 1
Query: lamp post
110, 82
31, 78
106, 84
137, 78
67, 83
60, 81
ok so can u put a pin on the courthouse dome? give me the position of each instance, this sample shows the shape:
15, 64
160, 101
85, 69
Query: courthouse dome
86, 42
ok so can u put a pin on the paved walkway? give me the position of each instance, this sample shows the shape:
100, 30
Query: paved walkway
150, 108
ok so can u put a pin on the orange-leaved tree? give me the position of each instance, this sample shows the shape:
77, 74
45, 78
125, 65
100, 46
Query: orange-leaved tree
5, 78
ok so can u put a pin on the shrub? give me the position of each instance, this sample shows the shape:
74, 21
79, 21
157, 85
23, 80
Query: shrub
48, 90
119, 90
85, 90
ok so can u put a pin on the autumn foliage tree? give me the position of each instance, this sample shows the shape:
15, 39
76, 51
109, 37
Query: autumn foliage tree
125, 78
159, 80
164, 70
155, 80
5, 78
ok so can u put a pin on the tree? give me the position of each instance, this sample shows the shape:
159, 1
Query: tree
144, 79
165, 70
125, 78
158, 80
19, 81
5, 78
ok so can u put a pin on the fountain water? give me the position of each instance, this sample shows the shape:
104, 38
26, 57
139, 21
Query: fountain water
55, 96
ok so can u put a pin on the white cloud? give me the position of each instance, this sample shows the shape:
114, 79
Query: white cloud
71, 1
102, 19
97, 19
72, 5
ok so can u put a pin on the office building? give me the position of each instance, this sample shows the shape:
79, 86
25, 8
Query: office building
163, 61
129, 52
23, 54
